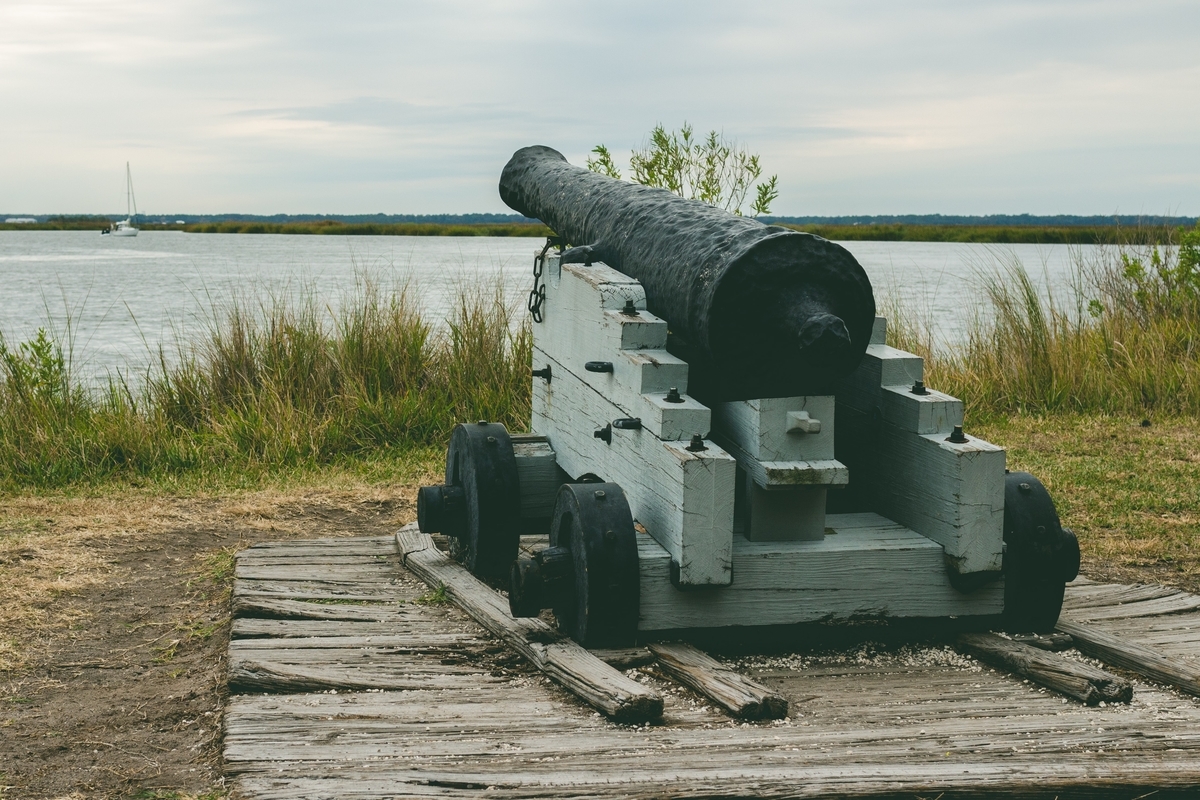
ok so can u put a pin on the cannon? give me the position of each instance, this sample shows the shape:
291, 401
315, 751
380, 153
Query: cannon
691, 369
756, 311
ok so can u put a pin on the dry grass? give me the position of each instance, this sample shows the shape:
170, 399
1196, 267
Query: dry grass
1124, 341
55, 545
1131, 493
273, 386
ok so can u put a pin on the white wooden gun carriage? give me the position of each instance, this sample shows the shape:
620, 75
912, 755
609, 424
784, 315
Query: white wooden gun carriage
673, 515
767, 506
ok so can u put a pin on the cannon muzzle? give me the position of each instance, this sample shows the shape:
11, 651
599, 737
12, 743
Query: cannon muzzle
756, 310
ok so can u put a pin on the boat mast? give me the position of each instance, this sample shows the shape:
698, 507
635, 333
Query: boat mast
129, 198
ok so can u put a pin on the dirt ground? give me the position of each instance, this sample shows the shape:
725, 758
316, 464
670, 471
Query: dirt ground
114, 610
112, 682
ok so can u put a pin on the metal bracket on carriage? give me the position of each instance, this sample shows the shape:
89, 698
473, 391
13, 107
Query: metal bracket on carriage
624, 424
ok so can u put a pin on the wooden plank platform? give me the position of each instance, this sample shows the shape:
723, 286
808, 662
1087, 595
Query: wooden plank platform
442, 710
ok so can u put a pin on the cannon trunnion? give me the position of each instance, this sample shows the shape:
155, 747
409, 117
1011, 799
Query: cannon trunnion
815, 479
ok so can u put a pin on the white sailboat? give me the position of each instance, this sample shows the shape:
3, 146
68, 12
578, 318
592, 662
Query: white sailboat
125, 227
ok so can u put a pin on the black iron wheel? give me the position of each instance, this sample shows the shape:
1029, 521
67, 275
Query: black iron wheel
599, 608
480, 503
1040, 556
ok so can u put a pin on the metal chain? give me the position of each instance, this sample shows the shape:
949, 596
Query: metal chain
537, 295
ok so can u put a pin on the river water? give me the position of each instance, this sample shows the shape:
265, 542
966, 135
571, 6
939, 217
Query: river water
114, 301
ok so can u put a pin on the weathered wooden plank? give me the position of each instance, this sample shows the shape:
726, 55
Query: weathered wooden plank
768, 429
932, 412
874, 727
625, 657
737, 694
1055, 642
664, 482
270, 676
952, 493
1182, 624
425, 721
355, 645
523, 745
412, 622
1172, 604
1115, 594
335, 545
399, 660
538, 476
1121, 652
585, 321
1065, 782
550, 749
285, 558
564, 661
857, 571
762, 435
311, 590
1072, 678
312, 573
283, 608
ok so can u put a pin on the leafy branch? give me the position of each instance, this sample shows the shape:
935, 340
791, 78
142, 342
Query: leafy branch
713, 169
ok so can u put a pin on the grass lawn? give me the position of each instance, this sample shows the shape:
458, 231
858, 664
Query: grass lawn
114, 599
1131, 493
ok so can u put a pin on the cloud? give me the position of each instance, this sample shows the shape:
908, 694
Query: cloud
861, 107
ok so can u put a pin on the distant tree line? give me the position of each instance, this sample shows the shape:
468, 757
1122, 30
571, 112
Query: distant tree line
1006, 220
68, 222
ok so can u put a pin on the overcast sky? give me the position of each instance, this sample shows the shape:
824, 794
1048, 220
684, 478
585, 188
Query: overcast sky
406, 107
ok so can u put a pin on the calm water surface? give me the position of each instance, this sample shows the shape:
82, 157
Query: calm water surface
118, 300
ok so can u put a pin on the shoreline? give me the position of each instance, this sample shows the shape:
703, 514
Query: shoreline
897, 232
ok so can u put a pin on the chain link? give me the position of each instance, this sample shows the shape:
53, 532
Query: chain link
537, 295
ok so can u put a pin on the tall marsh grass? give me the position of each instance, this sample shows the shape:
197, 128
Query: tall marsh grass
1125, 341
272, 385
281, 384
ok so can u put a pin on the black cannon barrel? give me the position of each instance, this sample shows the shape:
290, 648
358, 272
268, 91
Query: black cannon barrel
756, 310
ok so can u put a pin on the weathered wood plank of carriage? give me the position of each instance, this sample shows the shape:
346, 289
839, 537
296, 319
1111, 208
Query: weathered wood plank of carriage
1121, 652
737, 694
1072, 678
563, 660
664, 482
286, 608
